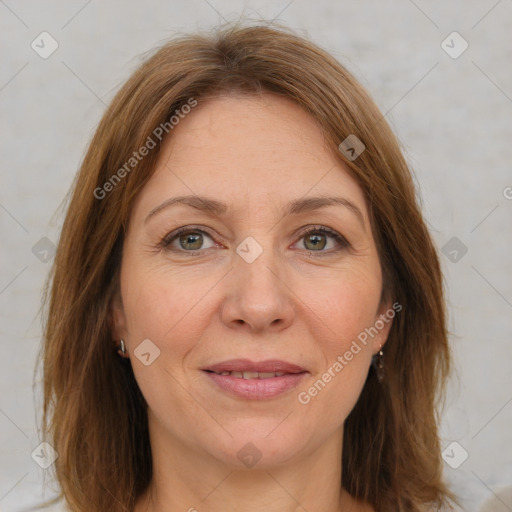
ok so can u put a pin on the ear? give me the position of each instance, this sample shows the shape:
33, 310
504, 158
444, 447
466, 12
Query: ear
383, 322
117, 319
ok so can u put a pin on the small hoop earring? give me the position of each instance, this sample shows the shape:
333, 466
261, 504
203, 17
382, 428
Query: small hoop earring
121, 349
378, 364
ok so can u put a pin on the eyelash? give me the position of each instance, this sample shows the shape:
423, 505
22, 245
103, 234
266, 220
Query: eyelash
323, 230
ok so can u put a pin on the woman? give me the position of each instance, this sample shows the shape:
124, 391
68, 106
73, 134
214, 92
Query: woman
246, 308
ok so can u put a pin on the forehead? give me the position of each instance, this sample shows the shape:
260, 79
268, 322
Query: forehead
248, 151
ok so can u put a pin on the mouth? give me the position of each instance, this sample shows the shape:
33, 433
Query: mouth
250, 375
255, 380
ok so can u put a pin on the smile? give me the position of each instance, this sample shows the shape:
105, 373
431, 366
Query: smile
251, 375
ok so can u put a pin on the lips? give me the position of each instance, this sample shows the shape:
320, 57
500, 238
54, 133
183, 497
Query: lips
252, 375
255, 380
248, 366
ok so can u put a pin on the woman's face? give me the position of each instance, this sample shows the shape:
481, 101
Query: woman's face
266, 271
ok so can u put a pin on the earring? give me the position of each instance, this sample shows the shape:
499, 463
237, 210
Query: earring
121, 350
378, 364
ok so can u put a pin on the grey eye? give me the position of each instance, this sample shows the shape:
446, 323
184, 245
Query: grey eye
192, 240
315, 241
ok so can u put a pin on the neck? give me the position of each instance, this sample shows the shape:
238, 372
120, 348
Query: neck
187, 480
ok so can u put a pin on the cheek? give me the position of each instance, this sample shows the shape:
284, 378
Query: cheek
161, 306
345, 307
169, 312
334, 389
344, 311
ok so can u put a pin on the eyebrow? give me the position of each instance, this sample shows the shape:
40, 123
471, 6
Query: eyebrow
295, 207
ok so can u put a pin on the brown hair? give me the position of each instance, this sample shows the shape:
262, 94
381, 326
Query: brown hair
94, 414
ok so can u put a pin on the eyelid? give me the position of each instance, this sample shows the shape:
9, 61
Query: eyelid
306, 230
340, 239
170, 237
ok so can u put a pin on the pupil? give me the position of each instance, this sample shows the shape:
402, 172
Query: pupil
195, 240
316, 241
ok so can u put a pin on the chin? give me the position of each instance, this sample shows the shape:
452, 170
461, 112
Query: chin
258, 448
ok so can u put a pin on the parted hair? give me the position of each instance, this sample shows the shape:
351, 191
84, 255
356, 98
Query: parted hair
94, 414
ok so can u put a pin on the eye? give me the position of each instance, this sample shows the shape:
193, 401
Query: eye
322, 239
187, 240
317, 239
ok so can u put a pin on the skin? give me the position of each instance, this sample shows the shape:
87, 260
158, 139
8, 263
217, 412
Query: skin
297, 301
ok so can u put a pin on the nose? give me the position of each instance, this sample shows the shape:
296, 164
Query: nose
257, 297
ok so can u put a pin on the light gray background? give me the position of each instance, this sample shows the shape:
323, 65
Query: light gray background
453, 117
